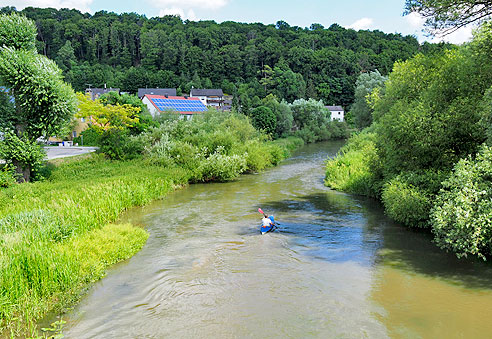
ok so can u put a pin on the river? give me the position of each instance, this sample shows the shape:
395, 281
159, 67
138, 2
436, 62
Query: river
336, 268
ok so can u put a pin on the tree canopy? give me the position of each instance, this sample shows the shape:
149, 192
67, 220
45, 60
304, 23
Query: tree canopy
129, 51
42, 102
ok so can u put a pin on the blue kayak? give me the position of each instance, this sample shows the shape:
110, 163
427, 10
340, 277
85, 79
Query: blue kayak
266, 229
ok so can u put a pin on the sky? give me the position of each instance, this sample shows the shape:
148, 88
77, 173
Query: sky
383, 15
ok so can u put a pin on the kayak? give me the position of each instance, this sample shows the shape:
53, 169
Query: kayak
266, 229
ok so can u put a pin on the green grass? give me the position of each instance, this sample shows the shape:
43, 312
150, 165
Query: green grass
51, 243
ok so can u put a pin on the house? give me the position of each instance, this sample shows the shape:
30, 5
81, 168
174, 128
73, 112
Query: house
156, 91
209, 97
337, 112
185, 106
97, 92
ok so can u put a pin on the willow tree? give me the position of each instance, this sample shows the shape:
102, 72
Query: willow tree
43, 103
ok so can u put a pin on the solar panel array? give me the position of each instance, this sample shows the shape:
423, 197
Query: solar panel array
179, 105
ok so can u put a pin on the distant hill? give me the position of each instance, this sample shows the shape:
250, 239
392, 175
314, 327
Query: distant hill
129, 51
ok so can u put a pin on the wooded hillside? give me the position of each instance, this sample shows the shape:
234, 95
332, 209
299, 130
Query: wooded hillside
130, 51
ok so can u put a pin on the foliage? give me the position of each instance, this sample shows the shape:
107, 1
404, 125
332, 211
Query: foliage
90, 137
43, 102
129, 51
7, 176
283, 115
406, 203
354, 169
25, 155
213, 146
264, 119
313, 121
462, 214
429, 116
360, 109
17, 32
117, 144
444, 16
53, 234
106, 117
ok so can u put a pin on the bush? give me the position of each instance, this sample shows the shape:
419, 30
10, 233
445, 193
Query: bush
7, 176
461, 218
355, 168
219, 167
91, 137
264, 119
406, 203
120, 145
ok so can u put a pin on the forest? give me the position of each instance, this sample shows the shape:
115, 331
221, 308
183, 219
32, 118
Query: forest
250, 61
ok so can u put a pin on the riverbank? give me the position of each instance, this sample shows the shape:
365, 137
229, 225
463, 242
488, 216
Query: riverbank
56, 236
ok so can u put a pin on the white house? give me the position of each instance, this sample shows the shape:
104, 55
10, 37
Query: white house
209, 97
337, 112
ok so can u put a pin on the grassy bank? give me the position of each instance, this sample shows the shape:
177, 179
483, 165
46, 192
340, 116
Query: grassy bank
56, 236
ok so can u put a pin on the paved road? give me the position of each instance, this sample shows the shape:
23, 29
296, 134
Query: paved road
63, 152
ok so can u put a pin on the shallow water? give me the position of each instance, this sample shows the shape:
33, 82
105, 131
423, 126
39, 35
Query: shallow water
336, 268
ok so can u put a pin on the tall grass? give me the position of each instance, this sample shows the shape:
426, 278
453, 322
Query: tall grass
55, 237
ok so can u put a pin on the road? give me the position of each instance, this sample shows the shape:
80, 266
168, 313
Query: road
63, 152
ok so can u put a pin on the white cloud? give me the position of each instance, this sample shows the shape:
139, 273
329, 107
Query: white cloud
81, 5
208, 4
364, 23
190, 15
460, 36
415, 20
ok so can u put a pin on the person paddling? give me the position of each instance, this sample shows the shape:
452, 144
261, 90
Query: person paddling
267, 222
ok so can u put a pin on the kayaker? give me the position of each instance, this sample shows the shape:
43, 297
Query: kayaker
267, 222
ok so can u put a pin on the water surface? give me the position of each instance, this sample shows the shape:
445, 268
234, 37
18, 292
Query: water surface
336, 268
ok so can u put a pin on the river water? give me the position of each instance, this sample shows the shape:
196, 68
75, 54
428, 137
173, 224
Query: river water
336, 268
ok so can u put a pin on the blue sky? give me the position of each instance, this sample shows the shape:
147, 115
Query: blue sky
384, 15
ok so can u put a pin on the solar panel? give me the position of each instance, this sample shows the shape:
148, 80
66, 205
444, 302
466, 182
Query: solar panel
180, 105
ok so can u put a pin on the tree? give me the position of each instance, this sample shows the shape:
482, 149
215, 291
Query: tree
446, 16
283, 115
360, 110
264, 119
66, 57
43, 102
106, 117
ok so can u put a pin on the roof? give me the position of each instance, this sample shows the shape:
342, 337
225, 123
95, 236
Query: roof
156, 91
206, 92
182, 105
97, 92
334, 108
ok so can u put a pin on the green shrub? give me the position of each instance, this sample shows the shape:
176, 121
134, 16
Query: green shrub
90, 137
355, 167
406, 203
461, 218
120, 145
219, 167
7, 176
